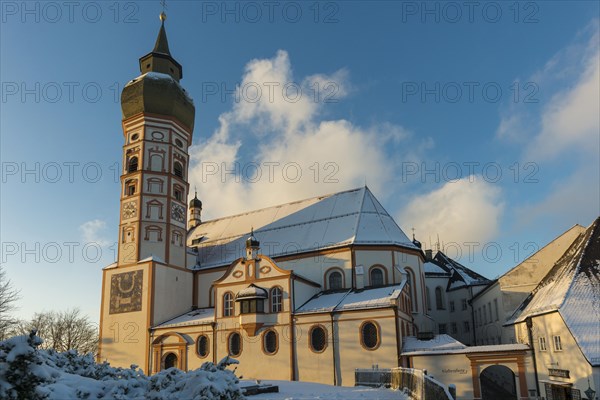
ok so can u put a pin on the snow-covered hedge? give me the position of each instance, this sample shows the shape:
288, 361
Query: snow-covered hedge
27, 373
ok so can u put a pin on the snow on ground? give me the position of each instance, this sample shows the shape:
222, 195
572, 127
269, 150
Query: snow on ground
316, 391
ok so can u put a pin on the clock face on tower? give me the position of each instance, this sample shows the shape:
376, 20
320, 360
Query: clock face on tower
126, 292
129, 210
178, 213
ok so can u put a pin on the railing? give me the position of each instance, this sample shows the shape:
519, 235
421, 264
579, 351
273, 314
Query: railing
413, 382
372, 377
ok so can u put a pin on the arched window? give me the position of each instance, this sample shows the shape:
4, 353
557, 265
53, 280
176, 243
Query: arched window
130, 187
270, 342
203, 346
428, 298
376, 277
412, 289
439, 299
228, 304
318, 339
335, 280
235, 344
369, 335
132, 166
170, 361
276, 300
178, 169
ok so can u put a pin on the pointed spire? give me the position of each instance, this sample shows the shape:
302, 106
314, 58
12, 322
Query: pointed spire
162, 44
160, 58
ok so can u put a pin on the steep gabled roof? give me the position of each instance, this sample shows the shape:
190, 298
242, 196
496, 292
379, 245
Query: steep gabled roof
572, 287
345, 218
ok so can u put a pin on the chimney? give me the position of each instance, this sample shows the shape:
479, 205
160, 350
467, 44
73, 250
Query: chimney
428, 255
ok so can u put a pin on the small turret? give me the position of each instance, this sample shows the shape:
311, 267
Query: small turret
195, 212
252, 246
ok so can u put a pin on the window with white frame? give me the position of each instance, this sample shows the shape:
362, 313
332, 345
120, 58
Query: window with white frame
542, 343
228, 305
276, 300
557, 343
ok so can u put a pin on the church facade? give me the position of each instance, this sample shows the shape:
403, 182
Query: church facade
309, 290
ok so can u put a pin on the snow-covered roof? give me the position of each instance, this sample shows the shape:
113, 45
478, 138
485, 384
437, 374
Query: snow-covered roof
200, 316
152, 257
335, 220
572, 287
431, 268
439, 342
252, 292
352, 299
440, 345
460, 276
111, 266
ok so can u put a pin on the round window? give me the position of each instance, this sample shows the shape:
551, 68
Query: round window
179, 143
158, 135
135, 137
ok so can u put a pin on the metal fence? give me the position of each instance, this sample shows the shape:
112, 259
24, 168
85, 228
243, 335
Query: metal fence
372, 377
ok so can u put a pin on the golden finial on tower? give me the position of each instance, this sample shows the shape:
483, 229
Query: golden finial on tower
163, 16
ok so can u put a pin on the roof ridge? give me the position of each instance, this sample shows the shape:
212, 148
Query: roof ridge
362, 203
261, 230
323, 196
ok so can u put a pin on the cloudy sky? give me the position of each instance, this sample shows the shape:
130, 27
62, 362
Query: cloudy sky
473, 122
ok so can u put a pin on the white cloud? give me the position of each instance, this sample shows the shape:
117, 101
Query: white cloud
92, 231
567, 87
563, 138
571, 118
297, 153
467, 210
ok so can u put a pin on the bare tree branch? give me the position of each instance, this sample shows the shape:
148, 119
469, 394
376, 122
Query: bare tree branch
8, 299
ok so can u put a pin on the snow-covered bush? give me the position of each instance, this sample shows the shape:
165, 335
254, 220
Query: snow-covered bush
27, 373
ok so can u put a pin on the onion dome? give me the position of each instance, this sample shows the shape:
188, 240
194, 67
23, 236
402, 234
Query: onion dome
252, 241
416, 242
157, 90
195, 202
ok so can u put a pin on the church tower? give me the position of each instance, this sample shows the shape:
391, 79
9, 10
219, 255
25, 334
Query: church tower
150, 281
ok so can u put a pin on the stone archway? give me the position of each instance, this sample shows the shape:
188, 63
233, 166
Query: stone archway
514, 360
170, 350
498, 382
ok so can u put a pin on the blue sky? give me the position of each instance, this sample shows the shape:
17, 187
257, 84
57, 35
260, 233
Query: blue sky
466, 90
